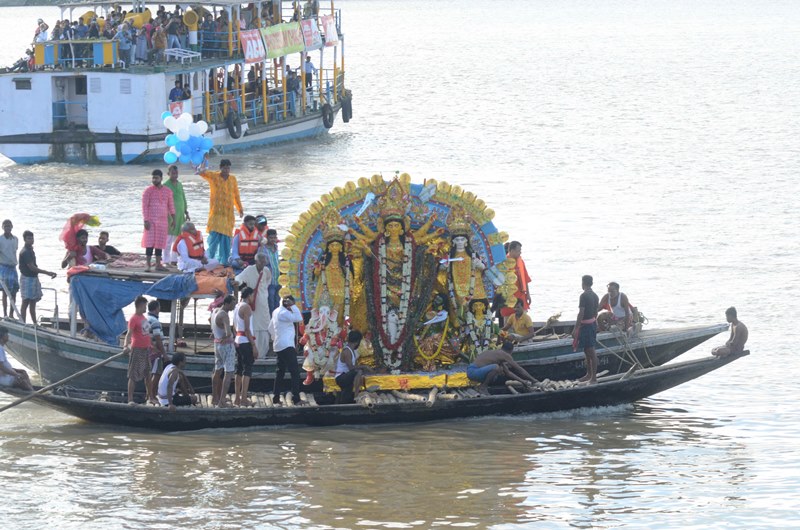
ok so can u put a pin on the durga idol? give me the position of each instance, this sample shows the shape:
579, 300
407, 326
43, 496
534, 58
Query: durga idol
399, 275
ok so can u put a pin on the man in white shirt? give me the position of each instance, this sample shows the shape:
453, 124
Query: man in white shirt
283, 342
309, 70
191, 251
258, 277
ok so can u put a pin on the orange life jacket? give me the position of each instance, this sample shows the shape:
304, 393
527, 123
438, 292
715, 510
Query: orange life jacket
193, 242
248, 242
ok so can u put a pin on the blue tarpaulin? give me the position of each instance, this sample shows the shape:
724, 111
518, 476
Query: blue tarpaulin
101, 300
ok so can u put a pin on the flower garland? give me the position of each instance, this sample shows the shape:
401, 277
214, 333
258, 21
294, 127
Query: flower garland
479, 344
347, 279
438, 348
379, 284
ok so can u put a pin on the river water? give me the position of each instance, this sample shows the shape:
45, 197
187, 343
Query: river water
651, 143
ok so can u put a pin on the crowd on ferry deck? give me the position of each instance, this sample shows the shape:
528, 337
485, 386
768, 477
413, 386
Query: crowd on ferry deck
148, 43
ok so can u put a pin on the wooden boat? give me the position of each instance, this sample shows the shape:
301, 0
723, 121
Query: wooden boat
55, 354
109, 407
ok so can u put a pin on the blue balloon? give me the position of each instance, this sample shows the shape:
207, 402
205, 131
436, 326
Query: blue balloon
166, 114
171, 140
184, 148
185, 159
194, 141
197, 158
207, 144
170, 157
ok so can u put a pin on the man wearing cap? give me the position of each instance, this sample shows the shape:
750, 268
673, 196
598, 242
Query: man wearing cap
224, 196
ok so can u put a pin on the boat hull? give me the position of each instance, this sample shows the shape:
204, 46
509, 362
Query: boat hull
60, 356
36, 148
618, 391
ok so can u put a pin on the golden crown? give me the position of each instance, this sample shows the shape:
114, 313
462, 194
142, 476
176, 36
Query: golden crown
392, 205
331, 220
458, 223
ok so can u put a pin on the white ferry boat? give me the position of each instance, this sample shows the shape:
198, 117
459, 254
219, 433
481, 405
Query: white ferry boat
95, 93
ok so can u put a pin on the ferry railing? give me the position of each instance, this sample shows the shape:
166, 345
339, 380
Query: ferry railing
216, 44
220, 103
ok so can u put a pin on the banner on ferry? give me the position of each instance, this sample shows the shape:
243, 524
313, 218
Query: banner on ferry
329, 27
252, 46
283, 39
311, 35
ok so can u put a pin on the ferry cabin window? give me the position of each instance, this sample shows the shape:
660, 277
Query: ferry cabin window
80, 86
22, 84
124, 86
94, 85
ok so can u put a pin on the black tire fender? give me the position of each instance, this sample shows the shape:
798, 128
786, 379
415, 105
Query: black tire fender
347, 109
327, 116
234, 123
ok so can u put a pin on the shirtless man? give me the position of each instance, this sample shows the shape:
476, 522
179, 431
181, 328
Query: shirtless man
735, 344
497, 366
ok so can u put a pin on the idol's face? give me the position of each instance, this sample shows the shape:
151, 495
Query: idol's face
394, 228
478, 308
460, 242
334, 247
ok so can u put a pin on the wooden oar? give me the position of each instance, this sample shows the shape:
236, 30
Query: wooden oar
65, 380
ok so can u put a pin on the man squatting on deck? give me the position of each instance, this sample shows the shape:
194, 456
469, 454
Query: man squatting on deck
495, 367
738, 338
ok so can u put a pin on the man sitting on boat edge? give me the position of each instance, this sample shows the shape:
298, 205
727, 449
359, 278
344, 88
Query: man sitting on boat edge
618, 310
174, 389
10, 376
738, 338
350, 376
519, 325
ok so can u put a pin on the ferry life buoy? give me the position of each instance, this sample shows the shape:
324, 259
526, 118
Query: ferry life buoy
327, 116
234, 123
347, 109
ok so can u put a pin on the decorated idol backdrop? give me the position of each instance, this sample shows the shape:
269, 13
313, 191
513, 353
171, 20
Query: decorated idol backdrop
415, 267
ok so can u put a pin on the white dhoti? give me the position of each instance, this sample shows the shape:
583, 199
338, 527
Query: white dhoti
262, 342
191, 265
169, 256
